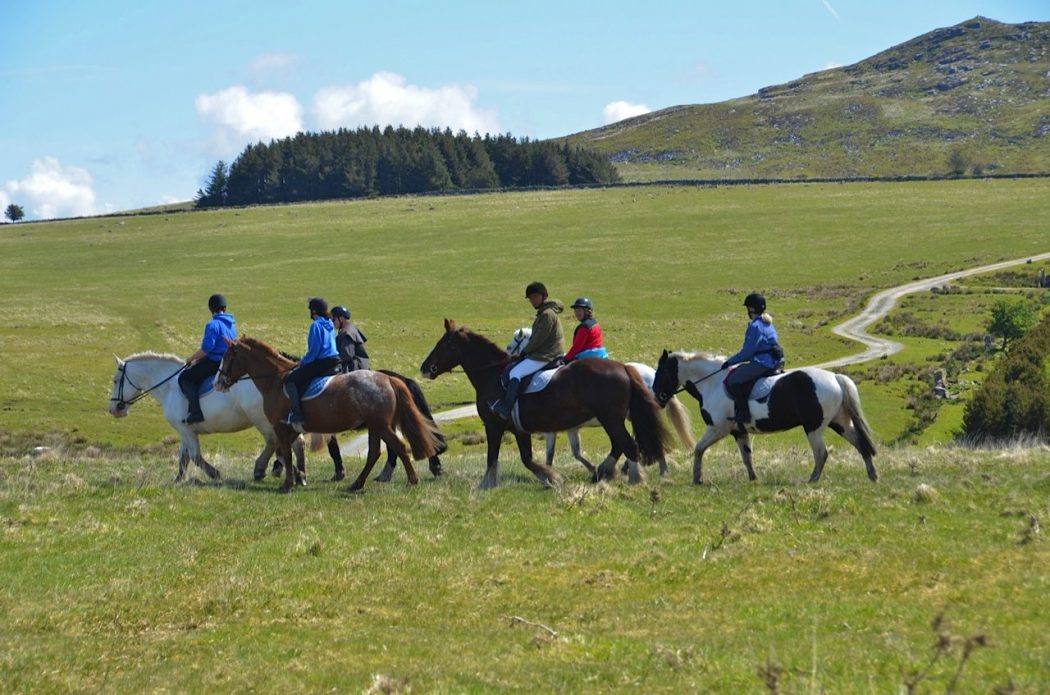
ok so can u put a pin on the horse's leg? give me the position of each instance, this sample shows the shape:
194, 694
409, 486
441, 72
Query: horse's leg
184, 462
396, 447
374, 450
435, 466
634, 473
621, 443
820, 453
711, 436
300, 460
259, 472
286, 437
209, 470
552, 438
391, 463
577, 450
494, 437
743, 442
849, 433
337, 459
544, 473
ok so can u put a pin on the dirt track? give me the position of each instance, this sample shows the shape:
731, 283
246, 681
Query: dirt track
855, 329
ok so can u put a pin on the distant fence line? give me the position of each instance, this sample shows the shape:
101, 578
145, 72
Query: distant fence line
667, 183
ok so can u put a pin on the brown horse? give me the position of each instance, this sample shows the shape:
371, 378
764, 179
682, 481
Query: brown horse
603, 389
361, 398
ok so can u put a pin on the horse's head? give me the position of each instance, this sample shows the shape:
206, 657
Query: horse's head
234, 364
124, 390
446, 353
519, 341
665, 383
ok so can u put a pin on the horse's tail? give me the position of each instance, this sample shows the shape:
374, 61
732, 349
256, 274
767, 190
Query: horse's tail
421, 402
317, 441
650, 433
678, 414
851, 402
422, 433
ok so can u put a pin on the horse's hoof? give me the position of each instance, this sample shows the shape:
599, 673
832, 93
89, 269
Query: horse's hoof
356, 489
257, 478
338, 476
436, 471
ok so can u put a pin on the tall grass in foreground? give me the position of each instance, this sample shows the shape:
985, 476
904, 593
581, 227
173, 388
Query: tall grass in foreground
932, 580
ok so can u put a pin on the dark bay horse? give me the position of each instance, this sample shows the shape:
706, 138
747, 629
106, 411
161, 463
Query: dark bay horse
602, 389
361, 398
811, 398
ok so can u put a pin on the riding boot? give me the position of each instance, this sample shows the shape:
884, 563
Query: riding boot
193, 396
506, 404
295, 414
743, 411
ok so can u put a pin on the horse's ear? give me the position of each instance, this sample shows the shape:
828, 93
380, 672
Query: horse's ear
450, 325
228, 341
120, 362
663, 357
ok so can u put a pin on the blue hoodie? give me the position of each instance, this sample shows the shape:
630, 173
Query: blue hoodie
760, 337
320, 342
222, 325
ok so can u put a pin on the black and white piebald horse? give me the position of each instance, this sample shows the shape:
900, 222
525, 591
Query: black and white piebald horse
812, 398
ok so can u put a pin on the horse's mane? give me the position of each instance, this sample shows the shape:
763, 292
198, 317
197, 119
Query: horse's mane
484, 342
256, 344
150, 355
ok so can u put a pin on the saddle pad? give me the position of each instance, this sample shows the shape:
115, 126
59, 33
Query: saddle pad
541, 379
205, 387
760, 391
315, 388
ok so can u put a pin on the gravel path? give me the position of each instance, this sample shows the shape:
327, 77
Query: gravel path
854, 329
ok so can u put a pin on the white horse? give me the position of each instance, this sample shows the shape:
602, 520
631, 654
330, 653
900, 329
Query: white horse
676, 412
810, 397
237, 409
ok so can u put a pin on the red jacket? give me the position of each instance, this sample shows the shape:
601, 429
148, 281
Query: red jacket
588, 335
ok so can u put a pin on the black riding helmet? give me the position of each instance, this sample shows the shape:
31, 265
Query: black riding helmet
216, 303
317, 305
755, 301
583, 303
341, 311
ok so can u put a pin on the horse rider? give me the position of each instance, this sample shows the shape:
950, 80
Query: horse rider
761, 355
587, 339
205, 362
321, 359
545, 346
349, 341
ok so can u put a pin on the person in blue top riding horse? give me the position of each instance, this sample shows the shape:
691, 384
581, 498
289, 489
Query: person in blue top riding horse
321, 359
545, 346
587, 339
761, 355
205, 362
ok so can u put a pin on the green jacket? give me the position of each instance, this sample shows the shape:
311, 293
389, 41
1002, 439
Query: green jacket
546, 341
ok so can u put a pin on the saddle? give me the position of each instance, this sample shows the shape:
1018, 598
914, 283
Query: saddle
315, 388
760, 388
535, 382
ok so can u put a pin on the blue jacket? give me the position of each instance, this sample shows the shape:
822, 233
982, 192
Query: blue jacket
760, 336
222, 325
320, 342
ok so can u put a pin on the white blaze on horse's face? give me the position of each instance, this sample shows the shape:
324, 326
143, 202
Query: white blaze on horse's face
118, 406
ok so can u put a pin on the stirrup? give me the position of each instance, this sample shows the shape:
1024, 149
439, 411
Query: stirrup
193, 418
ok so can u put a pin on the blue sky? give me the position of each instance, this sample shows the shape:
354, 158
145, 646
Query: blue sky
112, 105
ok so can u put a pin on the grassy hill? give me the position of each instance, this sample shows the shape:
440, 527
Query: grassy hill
971, 97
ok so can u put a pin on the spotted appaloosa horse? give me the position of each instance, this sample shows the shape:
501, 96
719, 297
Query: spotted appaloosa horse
809, 397
602, 389
360, 398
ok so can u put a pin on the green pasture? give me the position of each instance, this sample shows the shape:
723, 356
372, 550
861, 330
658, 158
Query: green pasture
667, 267
115, 580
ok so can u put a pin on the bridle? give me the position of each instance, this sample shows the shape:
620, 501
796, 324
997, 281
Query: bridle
125, 403
690, 387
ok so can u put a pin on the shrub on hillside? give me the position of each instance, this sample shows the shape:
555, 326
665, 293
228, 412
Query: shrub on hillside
1015, 398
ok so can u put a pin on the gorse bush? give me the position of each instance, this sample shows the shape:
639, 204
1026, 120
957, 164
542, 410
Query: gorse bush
1015, 398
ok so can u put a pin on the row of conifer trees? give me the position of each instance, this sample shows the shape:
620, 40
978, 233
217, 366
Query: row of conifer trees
372, 162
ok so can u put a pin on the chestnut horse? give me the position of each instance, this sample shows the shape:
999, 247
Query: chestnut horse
602, 389
361, 398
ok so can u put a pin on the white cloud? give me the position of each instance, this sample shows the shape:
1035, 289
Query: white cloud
619, 110
52, 190
387, 99
244, 117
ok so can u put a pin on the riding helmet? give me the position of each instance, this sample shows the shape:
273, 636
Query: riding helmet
341, 311
755, 301
535, 288
583, 303
317, 305
216, 303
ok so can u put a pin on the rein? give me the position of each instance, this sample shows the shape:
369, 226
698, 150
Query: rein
124, 404
690, 386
